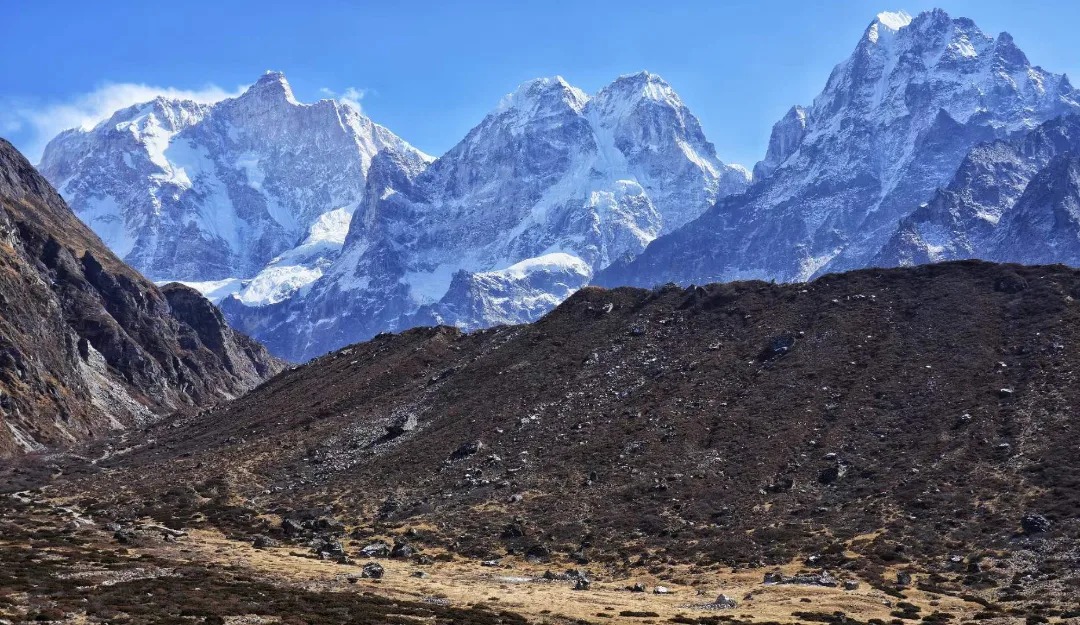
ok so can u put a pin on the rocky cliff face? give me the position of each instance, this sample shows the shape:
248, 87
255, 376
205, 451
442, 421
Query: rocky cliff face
552, 186
87, 345
1008, 201
893, 123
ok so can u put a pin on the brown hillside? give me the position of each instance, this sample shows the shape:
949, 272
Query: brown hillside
876, 420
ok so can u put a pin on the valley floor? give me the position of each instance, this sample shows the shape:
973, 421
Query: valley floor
57, 564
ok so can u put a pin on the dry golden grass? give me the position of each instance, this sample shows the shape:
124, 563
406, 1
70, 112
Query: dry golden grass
515, 586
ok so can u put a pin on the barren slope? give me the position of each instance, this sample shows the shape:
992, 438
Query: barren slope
880, 420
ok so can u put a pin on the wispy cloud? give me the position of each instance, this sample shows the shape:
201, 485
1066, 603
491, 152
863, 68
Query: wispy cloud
351, 95
41, 120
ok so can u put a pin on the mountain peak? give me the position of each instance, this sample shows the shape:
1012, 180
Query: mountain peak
643, 77
540, 94
893, 20
787, 134
886, 24
1008, 54
643, 84
271, 85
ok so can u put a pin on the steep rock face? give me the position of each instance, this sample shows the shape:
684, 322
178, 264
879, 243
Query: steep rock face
195, 192
978, 216
87, 344
551, 182
892, 125
787, 135
1044, 225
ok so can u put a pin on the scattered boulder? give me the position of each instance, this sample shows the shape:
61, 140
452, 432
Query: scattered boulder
637, 587
569, 575
1010, 282
582, 583
168, 533
490, 563
802, 579
291, 528
724, 602
263, 542
329, 549
514, 530
1035, 524
372, 570
377, 549
125, 536
850, 584
465, 450
832, 473
779, 346
903, 578
782, 484
537, 553
661, 590
401, 424
402, 549
325, 525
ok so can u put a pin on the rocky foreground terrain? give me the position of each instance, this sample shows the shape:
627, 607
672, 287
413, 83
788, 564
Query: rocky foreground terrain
881, 446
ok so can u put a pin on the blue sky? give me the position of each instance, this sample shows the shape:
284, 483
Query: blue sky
430, 71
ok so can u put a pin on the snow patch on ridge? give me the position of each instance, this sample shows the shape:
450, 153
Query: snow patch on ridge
556, 262
213, 290
894, 20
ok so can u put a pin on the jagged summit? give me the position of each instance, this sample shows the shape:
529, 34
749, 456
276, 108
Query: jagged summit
644, 80
220, 192
543, 95
891, 125
532, 96
785, 138
893, 20
633, 88
271, 85
272, 76
548, 188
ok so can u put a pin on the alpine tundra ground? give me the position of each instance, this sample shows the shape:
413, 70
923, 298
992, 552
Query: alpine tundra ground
904, 436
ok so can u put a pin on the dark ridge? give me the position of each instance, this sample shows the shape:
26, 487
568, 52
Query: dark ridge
87, 345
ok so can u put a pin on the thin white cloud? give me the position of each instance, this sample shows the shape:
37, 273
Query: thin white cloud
351, 96
43, 120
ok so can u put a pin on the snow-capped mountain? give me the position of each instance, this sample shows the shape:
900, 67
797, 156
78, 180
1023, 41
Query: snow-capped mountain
892, 124
550, 187
259, 187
